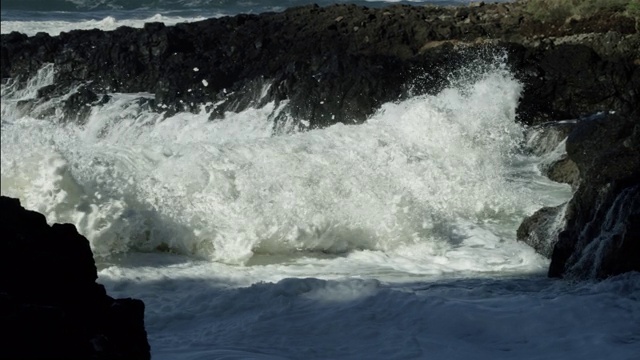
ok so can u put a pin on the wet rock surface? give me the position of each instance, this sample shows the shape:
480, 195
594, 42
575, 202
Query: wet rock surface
340, 63
597, 233
602, 234
563, 170
541, 229
50, 304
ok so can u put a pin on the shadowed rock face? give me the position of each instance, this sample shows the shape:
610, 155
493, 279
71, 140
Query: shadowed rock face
50, 305
597, 233
339, 63
602, 235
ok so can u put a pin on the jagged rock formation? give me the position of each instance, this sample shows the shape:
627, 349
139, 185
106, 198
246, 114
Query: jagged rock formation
602, 233
50, 304
597, 233
339, 63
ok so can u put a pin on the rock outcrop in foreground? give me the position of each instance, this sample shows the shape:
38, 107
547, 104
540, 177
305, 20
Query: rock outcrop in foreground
602, 232
597, 233
50, 304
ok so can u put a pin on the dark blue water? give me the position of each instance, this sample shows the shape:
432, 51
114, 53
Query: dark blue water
78, 10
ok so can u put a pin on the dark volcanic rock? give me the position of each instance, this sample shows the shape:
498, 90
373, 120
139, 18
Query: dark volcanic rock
572, 80
338, 63
50, 305
602, 236
597, 234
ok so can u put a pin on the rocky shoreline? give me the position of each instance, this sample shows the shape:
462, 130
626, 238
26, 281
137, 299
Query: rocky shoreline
340, 63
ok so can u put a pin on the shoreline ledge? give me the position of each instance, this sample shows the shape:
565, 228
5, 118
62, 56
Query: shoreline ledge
342, 62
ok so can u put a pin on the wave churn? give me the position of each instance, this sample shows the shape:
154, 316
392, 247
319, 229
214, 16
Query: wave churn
425, 173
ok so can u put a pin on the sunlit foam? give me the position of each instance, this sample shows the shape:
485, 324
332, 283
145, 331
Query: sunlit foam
422, 176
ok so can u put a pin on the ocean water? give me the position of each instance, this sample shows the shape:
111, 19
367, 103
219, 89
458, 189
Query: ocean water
55, 16
393, 239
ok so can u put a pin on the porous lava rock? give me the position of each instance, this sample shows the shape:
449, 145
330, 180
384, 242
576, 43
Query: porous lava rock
340, 63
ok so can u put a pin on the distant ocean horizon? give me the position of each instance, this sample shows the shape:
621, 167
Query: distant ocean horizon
55, 16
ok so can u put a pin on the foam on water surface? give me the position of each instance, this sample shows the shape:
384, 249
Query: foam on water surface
206, 311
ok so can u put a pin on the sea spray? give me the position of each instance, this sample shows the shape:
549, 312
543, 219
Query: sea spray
424, 174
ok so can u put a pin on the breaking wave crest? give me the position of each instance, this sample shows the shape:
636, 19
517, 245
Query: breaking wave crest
423, 172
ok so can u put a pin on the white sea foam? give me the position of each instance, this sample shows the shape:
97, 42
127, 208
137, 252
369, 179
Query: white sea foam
420, 177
